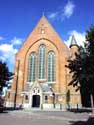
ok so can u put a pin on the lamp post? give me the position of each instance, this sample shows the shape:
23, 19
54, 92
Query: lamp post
53, 99
16, 90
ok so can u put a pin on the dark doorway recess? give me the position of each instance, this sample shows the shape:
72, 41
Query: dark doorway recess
36, 101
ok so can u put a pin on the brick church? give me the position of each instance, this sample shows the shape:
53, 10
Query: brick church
40, 76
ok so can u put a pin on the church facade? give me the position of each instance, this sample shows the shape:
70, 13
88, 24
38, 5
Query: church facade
41, 78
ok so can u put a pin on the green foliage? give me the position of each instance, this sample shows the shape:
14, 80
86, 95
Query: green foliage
82, 67
90, 35
5, 76
90, 41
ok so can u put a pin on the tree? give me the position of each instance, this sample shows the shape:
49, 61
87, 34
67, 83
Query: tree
82, 67
5, 76
78, 68
90, 54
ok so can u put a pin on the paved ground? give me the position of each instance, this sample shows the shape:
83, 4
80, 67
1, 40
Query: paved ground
34, 117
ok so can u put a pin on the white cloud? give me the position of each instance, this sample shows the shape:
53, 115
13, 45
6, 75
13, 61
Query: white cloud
16, 41
1, 38
53, 15
80, 37
6, 47
8, 52
63, 12
69, 9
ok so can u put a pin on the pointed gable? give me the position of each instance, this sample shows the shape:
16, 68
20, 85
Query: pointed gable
44, 27
43, 30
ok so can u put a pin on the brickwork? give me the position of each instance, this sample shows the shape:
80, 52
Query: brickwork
43, 33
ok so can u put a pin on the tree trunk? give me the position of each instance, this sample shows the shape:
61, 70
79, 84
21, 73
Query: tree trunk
92, 106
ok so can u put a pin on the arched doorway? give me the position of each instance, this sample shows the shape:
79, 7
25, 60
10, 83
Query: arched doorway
36, 101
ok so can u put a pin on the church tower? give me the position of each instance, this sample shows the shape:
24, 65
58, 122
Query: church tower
73, 47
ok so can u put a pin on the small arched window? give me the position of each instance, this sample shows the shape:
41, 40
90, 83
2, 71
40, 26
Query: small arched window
32, 67
46, 99
26, 97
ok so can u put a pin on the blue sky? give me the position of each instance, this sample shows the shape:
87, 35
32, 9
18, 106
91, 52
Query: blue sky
19, 17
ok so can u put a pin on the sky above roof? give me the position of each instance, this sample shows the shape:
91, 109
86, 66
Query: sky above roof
19, 17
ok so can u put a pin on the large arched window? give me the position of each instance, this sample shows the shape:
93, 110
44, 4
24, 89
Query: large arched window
42, 62
32, 67
51, 66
